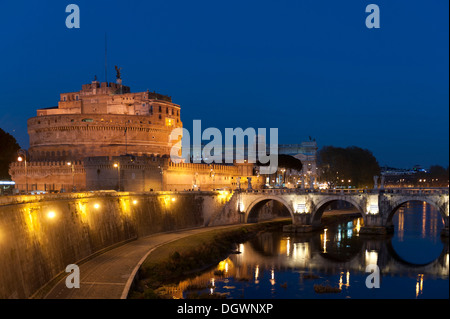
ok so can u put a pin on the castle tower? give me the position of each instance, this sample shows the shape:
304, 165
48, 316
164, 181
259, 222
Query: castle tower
101, 121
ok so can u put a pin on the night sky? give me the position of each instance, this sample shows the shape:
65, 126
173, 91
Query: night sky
309, 68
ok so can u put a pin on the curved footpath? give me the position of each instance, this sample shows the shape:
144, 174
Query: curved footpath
109, 275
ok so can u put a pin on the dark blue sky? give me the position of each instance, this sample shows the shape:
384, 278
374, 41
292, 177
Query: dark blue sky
310, 68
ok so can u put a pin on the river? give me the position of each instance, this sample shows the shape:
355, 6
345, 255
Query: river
413, 263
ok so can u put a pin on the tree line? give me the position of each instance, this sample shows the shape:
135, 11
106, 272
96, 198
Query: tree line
8, 153
350, 166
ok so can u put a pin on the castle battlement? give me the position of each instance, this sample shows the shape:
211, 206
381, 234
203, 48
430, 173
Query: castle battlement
200, 167
31, 164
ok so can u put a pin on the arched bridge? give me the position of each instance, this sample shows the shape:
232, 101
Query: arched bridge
306, 206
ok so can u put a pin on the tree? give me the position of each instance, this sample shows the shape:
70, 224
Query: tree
289, 162
351, 166
8, 153
285, 163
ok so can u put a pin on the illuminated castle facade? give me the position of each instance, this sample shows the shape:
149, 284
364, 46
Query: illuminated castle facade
106, 137
103, 119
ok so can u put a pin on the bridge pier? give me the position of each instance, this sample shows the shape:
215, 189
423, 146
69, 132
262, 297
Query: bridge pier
298, 228
376, 230
374, 225
301, 223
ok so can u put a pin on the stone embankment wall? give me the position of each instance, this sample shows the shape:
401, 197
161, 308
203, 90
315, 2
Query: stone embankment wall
41, 235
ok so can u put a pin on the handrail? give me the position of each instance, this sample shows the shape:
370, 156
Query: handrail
407, 191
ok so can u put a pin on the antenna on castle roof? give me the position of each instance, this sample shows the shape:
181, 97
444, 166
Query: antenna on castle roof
106, 65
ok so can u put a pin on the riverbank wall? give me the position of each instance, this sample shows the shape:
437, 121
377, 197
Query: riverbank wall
41, 235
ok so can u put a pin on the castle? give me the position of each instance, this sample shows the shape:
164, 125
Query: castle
104, 137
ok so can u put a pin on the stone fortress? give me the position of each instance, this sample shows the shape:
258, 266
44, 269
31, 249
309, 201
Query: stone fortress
104, 137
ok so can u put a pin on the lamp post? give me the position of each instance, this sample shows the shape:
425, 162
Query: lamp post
23, 158
72, 166
212, 175
161, 172
117, 165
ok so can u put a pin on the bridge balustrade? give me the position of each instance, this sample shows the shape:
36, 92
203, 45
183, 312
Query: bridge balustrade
417, 191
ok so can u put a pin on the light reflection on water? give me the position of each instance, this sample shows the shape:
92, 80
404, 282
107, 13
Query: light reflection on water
414, 263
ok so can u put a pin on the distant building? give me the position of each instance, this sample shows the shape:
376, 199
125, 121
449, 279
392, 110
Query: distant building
413, 177
306, 152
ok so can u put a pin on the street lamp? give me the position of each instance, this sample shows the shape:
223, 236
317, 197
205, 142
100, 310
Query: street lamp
72, 166
117, 165
212, 174
23, 158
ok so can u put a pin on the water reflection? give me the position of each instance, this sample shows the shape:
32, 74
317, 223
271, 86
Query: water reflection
278, 265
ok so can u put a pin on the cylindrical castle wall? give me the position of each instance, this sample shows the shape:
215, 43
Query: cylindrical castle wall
75, 136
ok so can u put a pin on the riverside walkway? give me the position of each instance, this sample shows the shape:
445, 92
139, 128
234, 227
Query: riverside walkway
109, 275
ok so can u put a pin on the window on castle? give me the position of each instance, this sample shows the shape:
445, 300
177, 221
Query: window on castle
160, 109
159, 116
169, 122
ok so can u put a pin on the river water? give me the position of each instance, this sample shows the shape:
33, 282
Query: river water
413, 263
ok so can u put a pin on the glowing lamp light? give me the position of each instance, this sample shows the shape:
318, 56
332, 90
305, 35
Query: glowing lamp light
173, 199
373, 209
51, 215
20, 158
301, 208
96, 206
135, 202
371, 257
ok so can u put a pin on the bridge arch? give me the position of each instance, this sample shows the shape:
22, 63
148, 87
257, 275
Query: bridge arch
323, 203
398, 203
259, 202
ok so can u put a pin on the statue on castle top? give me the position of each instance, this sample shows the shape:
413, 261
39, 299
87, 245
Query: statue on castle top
118, 72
